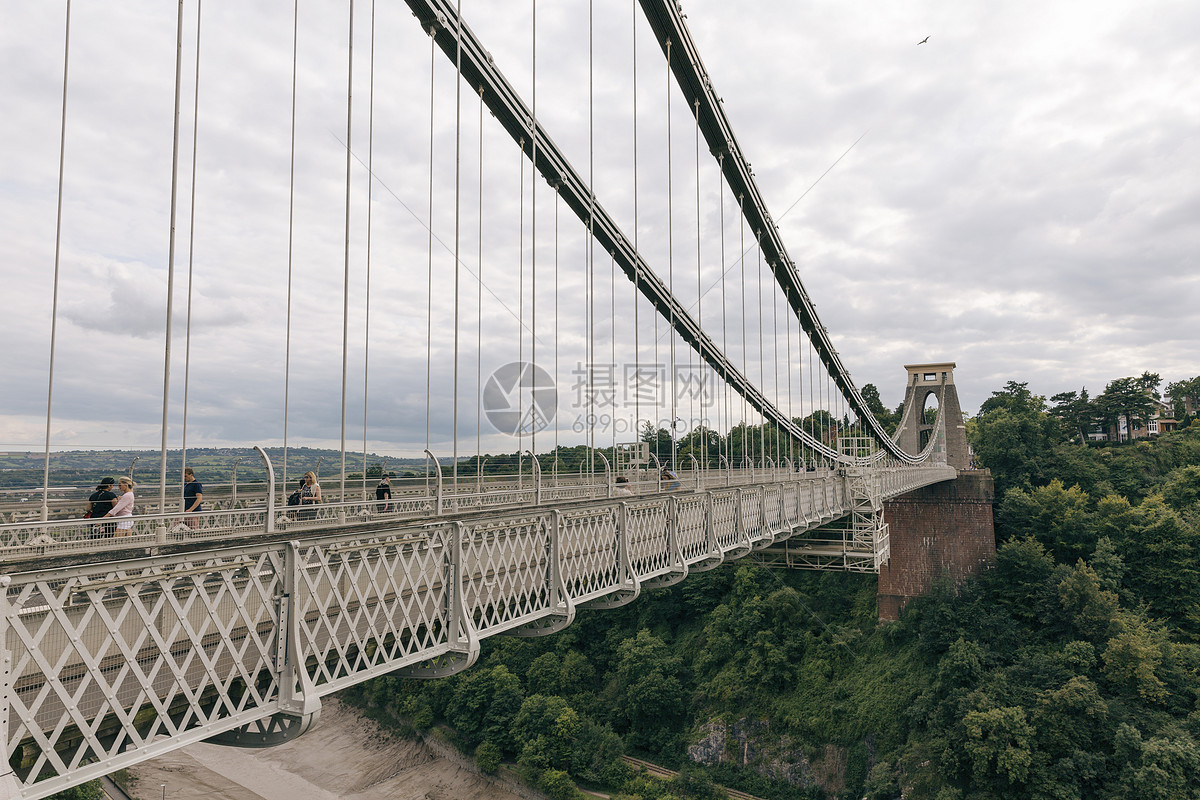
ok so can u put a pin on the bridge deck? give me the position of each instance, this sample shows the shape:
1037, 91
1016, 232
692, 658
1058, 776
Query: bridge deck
119, 654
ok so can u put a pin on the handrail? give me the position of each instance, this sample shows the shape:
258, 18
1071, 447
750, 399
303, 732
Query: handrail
438, 466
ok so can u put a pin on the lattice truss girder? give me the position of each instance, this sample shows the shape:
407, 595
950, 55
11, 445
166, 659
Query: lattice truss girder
857, 540
116, 662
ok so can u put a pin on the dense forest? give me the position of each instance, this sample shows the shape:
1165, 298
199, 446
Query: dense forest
1069, 670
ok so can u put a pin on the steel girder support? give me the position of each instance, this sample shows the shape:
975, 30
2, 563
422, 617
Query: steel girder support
273, 730
744, 544
679, 568
299, 703
713, 557
629, 586
462, 640
440, 19
562, 607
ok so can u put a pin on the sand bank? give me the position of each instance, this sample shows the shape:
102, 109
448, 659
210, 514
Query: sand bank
345, 757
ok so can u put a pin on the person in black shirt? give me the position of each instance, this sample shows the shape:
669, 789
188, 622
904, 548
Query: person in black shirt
193, 496
100, 502
384, 492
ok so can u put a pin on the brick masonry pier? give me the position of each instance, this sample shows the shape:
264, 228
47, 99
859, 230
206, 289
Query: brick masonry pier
941, 529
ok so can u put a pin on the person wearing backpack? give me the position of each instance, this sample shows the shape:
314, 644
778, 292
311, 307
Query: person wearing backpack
99, 504
294, 498
310, 495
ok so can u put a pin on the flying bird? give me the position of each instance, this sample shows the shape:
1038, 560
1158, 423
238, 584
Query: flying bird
923, 41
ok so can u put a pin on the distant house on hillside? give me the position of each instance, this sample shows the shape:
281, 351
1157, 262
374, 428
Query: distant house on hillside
1162, 420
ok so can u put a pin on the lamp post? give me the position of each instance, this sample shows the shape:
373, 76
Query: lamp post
131, 463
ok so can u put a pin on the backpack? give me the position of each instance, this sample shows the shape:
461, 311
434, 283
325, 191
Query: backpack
294, 498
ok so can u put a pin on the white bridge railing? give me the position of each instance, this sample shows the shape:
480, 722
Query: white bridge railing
22, 540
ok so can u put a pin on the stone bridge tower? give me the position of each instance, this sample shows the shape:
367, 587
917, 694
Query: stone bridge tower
937, 380
943, 529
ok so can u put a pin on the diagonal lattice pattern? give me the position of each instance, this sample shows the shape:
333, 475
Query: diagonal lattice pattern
589, 547
371, 604
692, 518
110, 658
648, 536
752, 513
506, 570
724, 514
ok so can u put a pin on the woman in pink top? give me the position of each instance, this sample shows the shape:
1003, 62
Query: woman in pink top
123, 507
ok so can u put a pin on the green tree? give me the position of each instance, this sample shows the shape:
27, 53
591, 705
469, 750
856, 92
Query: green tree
1021, 579
1012, 436
1184, 393
545, 730
1072, 729
598, 750
484, 704
998, 741
1161, 552
887, 419
544, 676
487, 757
1108, 564
1129, 398
92, 790
1089, 609
649, 694
1058, 517
1132, 657
659, 439
1014, 396
1182, 488
1075, 412
557, 785
1161, 768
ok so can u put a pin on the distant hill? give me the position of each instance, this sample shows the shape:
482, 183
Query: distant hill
24, 470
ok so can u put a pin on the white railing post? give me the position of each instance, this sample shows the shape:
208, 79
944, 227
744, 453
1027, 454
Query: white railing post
608, 476
696, 469
270, 487
297, 694
537, 478
438, 489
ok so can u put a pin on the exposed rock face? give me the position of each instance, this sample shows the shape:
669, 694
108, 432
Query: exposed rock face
748, 743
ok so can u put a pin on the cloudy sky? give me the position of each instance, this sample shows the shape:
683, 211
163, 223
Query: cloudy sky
1017, 195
